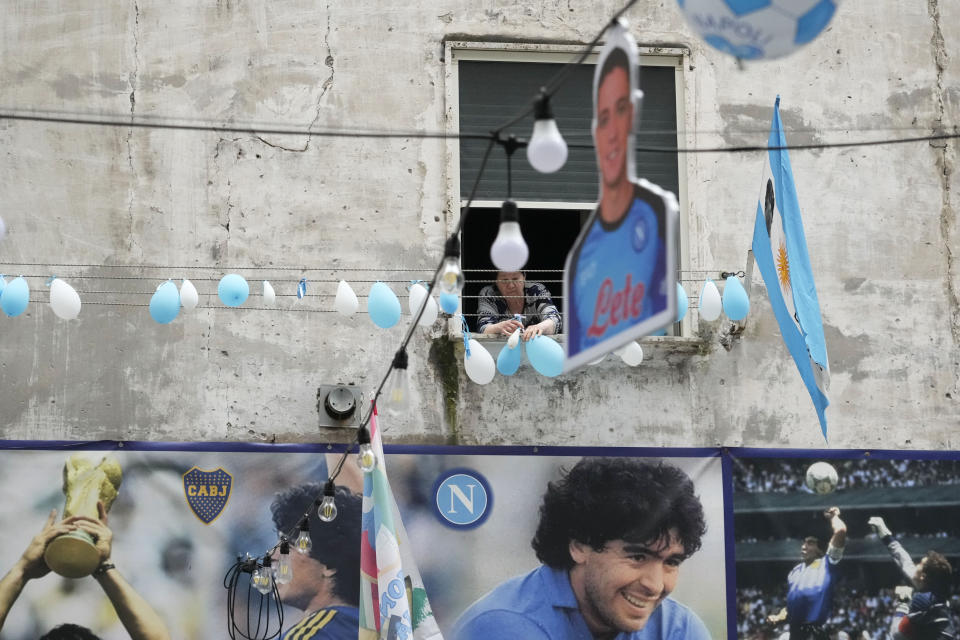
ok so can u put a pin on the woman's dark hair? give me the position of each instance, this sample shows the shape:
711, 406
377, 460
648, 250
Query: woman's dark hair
335, 544
70, 632
604, 499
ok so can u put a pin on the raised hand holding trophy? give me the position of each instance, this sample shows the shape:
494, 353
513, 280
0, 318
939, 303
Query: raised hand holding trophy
74, 554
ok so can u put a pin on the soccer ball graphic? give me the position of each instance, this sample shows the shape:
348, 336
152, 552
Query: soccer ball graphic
822, 477
758, 29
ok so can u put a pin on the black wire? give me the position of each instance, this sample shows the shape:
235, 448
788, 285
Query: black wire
270, 606
492, 136
553, 84
433, 282
249, 130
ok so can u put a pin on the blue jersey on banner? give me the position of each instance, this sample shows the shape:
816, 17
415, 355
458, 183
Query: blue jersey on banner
332, 623
810, 592
541, 605
617, 272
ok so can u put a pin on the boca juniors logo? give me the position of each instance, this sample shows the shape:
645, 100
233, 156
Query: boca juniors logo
207, 492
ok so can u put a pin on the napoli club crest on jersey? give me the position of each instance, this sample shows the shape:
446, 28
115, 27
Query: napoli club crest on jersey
207, 492
640, 234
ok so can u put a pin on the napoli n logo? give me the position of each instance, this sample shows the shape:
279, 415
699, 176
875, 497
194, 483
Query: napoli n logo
207, 492
462, 498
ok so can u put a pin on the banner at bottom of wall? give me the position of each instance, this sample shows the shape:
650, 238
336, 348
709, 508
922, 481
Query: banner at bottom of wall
655, 541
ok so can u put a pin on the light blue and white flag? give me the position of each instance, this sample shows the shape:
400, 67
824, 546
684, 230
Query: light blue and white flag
780, 250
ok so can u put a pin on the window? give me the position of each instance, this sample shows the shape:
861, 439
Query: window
489, 83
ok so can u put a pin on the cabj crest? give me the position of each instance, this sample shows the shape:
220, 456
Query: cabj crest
207, 492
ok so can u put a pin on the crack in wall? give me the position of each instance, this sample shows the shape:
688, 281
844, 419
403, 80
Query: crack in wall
134, 74
327, 84
224, 218
945, 171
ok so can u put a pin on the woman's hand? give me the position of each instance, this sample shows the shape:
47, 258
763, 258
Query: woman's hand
508, 326
534, 330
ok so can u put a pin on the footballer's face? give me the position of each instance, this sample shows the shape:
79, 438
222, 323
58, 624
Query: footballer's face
920, 576
809, 552
307, 580
619, 587
614, 122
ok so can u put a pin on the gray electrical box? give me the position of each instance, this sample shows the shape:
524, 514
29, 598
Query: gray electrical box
339, 405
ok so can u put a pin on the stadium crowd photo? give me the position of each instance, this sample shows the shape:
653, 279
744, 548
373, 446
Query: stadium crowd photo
861, 549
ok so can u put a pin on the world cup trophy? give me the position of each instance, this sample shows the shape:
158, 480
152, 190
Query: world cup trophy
74, 554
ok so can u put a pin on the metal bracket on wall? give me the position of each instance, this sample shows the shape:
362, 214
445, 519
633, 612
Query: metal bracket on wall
338, 405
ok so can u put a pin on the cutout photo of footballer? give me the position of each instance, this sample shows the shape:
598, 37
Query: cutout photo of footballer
620, 274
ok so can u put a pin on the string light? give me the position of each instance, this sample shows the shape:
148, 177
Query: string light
327, 511
283, 573
509, 251
451, 277
398, 393
304, 542
262, 579
547, 150
366, 459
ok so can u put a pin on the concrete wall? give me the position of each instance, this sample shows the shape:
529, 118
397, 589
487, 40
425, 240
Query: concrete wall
881, 225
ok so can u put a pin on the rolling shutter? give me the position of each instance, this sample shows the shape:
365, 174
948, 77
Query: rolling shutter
493, 92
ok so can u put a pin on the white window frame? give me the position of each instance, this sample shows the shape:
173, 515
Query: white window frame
456, 51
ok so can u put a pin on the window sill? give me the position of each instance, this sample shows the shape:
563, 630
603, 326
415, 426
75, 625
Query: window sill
651, 344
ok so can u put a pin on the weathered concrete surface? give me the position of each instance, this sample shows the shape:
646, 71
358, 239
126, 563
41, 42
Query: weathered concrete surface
881, 225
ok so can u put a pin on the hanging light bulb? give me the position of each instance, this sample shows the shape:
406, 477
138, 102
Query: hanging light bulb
262, 578
451, 277
546, 150
398, 391
304, 542
327, 511
283, 572
365, 456
509, 252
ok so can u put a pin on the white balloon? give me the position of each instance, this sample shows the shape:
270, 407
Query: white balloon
64, 300
598, 360
188, 295
269, 295
346, 301
3, 229
430, 313
710, 302
632, 354
514, 339
479, 365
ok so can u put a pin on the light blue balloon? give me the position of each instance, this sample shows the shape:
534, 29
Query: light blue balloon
233, 290
15, 297
165, 303
546, 356
449, 302
3, 283
683, 302
383, 306
509, 359
736, 304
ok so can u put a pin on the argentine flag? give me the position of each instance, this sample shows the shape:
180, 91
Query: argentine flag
780, 250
